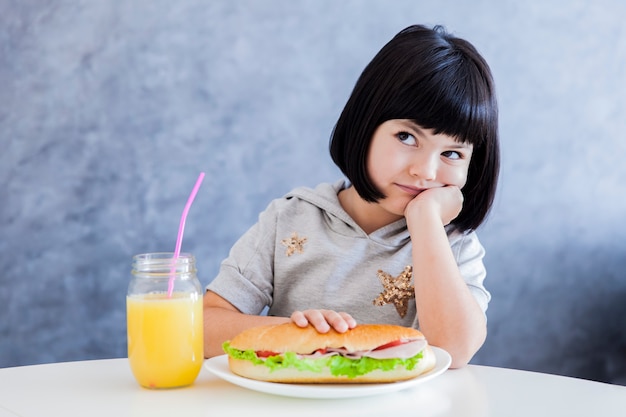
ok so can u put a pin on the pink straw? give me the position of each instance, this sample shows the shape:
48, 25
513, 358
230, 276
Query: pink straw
181, 230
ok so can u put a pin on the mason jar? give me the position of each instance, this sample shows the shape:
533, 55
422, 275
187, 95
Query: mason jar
164, 320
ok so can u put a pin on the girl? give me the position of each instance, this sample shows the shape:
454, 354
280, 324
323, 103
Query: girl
418, 143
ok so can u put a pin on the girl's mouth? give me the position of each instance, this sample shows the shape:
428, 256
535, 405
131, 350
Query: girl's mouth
410, 190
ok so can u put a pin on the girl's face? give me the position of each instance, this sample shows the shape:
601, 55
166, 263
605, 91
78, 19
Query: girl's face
405, 159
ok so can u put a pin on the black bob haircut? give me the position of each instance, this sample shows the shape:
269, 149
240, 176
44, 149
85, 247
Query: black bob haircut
440, 82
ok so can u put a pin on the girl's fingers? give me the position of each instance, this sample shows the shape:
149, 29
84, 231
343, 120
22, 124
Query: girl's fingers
323, 320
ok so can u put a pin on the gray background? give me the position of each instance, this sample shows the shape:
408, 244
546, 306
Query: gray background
110, 110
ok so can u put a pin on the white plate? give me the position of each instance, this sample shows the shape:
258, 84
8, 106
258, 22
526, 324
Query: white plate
219, 366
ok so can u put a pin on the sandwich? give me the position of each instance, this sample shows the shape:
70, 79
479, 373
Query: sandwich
368, 353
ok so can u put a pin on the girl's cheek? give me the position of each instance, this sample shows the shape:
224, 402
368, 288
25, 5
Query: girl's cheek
457, 177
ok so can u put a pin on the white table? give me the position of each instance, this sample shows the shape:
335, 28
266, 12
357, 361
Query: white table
107, 388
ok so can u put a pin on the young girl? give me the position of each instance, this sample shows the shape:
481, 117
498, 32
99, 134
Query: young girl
418, 143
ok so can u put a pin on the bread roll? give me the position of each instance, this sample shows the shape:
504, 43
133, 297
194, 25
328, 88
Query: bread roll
283, 338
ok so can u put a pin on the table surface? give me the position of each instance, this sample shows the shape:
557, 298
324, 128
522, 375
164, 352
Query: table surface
107, 388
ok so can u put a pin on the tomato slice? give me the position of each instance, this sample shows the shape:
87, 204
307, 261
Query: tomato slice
390, 344
265, 353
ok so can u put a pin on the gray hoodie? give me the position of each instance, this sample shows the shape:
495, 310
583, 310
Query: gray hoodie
306, 252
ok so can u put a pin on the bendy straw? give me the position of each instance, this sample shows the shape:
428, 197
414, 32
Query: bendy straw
181, 230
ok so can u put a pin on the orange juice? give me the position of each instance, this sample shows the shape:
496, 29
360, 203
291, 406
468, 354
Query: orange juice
165, 338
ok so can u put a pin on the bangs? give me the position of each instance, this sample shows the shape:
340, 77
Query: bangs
455, 99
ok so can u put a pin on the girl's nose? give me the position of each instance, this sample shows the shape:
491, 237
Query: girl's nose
424, 167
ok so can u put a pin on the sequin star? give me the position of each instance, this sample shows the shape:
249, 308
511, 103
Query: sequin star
396, 290
294, 244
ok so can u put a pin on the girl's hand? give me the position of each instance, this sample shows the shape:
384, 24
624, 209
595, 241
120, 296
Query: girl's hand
323, 320
444, 202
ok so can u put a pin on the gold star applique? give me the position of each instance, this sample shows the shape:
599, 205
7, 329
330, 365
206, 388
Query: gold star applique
396, 290
294, 244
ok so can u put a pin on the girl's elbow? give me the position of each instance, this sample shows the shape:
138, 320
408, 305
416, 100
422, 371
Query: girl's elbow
460, 361
462, 355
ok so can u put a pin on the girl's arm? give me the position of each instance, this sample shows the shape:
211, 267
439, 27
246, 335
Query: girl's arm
449, 315
222, 322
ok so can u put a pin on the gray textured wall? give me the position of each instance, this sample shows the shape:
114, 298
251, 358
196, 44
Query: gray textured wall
109, 110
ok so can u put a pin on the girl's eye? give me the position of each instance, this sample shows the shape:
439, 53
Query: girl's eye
406, 138
452, 155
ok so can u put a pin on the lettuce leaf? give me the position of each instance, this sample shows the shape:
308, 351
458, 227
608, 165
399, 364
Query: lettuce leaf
338, 365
